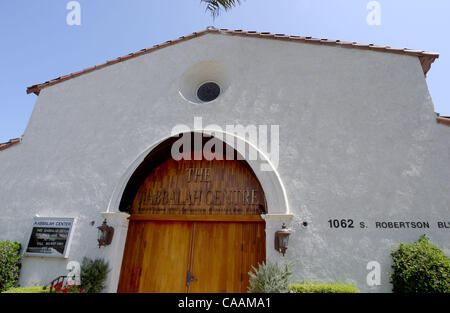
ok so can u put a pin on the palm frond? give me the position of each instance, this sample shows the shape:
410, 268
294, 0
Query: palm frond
215, 6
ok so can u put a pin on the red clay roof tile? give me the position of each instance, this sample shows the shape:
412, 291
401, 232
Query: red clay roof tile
426, 58
444, 120
10, 143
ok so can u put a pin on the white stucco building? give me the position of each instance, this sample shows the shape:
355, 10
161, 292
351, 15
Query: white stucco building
362, 162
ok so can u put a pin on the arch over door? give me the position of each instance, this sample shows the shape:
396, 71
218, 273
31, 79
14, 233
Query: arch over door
195, 226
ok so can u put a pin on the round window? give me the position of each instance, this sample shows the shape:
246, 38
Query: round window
208, 91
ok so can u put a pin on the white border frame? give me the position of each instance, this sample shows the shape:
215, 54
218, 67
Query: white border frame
68, 242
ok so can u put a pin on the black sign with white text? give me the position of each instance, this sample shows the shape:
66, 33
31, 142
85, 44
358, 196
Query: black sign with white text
50, 237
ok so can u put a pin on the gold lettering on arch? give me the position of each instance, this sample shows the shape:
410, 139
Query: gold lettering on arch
200, 187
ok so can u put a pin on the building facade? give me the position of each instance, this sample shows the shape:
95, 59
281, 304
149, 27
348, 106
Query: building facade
355, 162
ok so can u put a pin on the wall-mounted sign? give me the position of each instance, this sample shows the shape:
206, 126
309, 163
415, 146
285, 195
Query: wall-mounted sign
200, 187
50, 237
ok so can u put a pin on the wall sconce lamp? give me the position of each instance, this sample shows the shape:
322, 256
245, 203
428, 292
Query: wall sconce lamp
105, 234
282, 239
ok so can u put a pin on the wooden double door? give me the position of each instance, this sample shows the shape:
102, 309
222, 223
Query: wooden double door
191, 256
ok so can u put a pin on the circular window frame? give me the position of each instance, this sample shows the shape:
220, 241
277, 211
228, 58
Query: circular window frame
204, 83
200, 73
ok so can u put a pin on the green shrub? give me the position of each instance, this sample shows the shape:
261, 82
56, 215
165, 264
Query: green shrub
270, 278
9, 264
420, 267
93, 275
35, 289
314, 287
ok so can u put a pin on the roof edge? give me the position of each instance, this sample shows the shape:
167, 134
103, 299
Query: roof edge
12, 142
426, 58
445, 120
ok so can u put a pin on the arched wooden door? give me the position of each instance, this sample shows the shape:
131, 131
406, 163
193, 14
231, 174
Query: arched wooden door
195, 226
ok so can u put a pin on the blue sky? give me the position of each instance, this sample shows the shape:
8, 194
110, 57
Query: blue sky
38, 45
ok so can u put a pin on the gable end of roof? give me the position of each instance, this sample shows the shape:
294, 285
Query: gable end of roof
426, 58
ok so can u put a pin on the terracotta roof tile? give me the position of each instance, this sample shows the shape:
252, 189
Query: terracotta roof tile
444, 120
426, 58
10, 143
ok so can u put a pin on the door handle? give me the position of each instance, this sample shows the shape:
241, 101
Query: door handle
189, 278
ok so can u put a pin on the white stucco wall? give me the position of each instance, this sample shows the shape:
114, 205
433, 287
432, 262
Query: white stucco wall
358, 140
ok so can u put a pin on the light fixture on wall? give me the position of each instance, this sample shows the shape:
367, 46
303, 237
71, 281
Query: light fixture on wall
282, 239
105, 234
